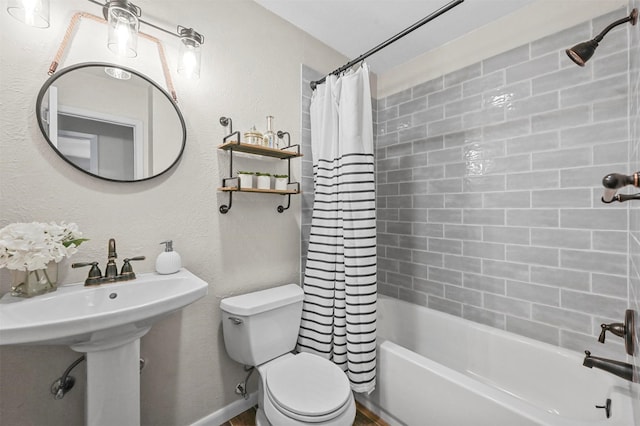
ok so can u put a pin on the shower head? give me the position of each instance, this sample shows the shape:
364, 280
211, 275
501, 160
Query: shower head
582, 52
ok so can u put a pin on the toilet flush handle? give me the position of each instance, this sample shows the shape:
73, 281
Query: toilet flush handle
236, 320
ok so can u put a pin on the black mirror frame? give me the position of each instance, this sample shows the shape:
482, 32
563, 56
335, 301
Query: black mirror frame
66, 70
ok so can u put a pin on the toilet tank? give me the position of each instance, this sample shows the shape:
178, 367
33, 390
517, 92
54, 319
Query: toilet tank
262, 325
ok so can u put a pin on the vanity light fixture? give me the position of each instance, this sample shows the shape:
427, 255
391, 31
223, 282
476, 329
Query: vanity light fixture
191, 40
68, 37
582, 52
189, 60
31, 12
123, 21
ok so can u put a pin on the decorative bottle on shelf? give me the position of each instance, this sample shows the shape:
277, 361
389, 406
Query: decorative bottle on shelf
269, 136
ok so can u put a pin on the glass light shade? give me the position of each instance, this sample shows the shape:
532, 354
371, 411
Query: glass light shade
32, 12
189, 64
123, 30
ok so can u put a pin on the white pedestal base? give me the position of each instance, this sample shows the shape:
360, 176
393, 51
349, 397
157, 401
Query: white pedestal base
113, 386
113, 380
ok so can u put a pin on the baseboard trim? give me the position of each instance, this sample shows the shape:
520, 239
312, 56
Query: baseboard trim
228, 412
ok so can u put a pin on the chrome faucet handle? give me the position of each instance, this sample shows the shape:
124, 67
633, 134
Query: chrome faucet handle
95, 275
127, 270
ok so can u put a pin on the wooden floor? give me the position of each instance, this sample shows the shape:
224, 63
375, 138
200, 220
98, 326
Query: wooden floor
364, 417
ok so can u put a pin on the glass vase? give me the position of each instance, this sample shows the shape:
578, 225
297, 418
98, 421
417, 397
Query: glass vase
34, 283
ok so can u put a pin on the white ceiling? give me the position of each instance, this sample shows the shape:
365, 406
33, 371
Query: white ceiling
352, 27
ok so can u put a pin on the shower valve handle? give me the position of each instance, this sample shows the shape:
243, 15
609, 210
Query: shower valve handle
616, 328
625, 329
614, 181
617, 180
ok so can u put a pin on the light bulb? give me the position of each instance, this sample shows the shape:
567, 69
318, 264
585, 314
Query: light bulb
123, 28
189, 63
122, 37
29, 11
190, 52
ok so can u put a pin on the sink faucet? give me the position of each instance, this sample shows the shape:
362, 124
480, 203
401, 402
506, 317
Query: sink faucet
620, 369
111, 274
111, 270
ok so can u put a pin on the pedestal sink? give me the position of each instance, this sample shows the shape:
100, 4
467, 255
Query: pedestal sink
106, 322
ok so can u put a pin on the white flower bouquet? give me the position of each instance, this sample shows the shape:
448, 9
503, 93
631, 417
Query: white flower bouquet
31, 246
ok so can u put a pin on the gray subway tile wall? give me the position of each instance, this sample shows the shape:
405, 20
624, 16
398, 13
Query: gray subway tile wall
611, 288
489, 190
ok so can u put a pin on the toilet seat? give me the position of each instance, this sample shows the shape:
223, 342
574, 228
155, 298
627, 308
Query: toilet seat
308, 388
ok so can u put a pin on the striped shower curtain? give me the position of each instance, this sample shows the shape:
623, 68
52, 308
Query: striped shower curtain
339, 313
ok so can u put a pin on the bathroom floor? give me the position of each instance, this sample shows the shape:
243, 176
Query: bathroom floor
363, 417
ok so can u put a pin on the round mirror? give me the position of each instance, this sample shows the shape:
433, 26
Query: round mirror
111, 122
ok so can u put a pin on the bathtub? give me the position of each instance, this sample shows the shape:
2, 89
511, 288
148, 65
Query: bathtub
436, 369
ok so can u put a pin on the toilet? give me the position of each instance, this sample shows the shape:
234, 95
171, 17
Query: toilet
261, 329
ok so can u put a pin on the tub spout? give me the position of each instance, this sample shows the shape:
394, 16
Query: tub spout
620, 369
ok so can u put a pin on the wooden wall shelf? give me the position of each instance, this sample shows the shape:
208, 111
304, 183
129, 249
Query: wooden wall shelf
260, 191
264, 151
230, 145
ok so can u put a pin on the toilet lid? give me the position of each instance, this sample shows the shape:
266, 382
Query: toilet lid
308, 385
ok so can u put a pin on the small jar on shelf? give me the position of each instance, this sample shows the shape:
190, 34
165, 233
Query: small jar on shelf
281, 182
253, 137
264, 180
245, 179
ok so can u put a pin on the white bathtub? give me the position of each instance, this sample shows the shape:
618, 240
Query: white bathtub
436, 369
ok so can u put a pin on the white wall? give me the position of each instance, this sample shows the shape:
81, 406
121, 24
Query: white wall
532, 22
250, 69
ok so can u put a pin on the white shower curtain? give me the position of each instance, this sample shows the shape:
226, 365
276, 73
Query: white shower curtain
339, 314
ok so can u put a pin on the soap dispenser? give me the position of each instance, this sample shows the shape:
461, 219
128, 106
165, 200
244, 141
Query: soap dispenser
168, 262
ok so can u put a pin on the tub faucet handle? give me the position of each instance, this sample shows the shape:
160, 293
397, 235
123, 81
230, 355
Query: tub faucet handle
615, 181
625, 329
616, 328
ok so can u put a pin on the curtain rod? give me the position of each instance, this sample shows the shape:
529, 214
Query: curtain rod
386, 43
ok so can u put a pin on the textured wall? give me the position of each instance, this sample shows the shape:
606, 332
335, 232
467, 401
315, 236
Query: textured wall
251, 68
489, 190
